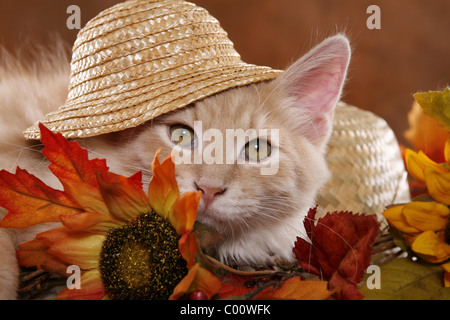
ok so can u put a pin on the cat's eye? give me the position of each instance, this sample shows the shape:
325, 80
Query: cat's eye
182, 135
257, 150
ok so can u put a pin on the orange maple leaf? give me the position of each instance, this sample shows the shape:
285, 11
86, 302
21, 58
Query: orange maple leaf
29, 201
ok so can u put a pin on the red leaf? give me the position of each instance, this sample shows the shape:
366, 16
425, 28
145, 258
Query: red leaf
339, 249
69, 160
29, 201
234, 286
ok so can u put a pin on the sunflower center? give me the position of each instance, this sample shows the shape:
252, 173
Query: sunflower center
141, 260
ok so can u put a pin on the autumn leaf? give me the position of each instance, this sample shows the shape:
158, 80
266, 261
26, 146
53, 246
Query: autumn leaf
436, 104
73, 168
296, 289
425, 134
29, 201
404, 279
234, 286
69, 160
339, 249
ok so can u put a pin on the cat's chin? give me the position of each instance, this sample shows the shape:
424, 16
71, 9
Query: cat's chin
213, 218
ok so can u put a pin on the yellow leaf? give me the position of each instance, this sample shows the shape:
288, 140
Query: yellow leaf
436, 104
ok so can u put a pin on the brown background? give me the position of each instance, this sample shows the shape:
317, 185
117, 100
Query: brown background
409, 53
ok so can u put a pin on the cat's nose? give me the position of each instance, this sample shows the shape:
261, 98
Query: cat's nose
210, 192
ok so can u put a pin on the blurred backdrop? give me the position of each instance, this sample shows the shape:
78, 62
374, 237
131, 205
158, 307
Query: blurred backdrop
409, 53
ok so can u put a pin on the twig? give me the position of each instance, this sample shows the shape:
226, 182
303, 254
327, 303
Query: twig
274, 283
240, 272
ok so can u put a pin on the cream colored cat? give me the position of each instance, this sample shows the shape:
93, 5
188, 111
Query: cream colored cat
258, 216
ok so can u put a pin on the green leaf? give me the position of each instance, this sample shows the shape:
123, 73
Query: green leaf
404, 279
436, 104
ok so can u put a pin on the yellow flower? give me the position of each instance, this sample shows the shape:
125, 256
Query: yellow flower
416, 217
127, 244
436, 176
426, 225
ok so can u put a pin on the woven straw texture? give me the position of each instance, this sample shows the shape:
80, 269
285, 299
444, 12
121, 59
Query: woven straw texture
143, 58
367, 168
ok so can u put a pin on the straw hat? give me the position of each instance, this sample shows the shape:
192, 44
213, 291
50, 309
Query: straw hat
143, 58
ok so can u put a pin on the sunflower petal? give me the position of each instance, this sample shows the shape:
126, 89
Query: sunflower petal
416, 162
91, 288
163, 189
90, 222
81, 249
426, 215
438, 184
431, 247
85, 195
396, 218
50, 237
198, 278
123, 197
447, 150
184, 211
32, 254
188, 247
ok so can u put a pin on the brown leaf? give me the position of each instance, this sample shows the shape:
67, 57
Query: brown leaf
339, 250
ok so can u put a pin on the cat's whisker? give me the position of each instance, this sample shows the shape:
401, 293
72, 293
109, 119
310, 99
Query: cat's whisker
123, 164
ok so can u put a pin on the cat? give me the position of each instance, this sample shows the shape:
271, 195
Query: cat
258, 217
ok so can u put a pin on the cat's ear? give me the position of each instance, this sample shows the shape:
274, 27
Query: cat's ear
314, 85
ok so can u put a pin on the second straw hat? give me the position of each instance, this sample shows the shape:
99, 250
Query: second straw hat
143, 58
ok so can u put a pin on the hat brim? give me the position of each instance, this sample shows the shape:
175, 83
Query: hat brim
134, 103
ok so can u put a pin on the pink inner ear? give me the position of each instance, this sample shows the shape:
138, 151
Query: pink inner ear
325, 91
316, 81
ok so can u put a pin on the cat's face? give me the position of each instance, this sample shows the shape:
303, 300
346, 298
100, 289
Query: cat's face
258, 197
239, 194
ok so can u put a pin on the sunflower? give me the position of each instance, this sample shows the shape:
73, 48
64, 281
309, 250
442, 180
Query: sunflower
127, 244
425, 225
